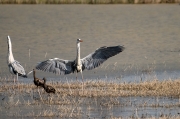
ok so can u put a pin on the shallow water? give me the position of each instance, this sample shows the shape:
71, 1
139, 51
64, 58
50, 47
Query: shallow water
26, 106
150, 34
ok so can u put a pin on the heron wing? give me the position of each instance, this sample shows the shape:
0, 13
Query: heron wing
18, 68
96, 58
57, 66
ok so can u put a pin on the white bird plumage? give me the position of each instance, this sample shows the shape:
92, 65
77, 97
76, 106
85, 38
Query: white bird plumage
93, 60
14, 66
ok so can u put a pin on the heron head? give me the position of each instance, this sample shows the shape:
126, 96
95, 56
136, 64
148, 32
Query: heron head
8, 39
9, 43
79, 40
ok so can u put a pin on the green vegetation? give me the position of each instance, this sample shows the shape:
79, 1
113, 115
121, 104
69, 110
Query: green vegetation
86, 1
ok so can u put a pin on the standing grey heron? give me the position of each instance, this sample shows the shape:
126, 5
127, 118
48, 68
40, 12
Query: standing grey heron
14, 66
91, 61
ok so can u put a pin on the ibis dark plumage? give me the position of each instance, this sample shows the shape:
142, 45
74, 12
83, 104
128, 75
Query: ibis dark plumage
37, 81
48, 88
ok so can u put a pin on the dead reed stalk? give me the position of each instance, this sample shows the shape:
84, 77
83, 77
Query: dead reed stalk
102, 88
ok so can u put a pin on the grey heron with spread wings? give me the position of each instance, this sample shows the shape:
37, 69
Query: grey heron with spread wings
14, 66
91, 61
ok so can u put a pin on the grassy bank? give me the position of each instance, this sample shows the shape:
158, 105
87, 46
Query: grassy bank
87, 1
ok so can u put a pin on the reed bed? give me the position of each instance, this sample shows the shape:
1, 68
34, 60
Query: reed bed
101, 88
86, 1
27, 101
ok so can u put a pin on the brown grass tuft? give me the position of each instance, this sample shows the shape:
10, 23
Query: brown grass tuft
102, 88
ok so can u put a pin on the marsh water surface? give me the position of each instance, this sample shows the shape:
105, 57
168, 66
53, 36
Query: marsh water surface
150, 34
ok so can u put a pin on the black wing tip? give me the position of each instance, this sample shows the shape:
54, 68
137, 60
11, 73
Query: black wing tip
36, 68
121, 48
24, 76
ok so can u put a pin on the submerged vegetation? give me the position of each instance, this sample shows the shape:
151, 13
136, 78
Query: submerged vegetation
86, 1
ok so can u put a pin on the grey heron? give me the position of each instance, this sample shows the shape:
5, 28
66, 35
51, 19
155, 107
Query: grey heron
37, 81
48, 88
91, 61
14, 66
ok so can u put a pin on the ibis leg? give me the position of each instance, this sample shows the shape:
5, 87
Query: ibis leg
40, 95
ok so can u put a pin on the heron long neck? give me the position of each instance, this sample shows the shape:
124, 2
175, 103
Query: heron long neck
78, 54
10, 55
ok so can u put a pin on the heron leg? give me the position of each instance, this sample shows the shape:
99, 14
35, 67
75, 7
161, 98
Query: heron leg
17, 80
76, 75
17, 77
82, 80
14, 77
82, 77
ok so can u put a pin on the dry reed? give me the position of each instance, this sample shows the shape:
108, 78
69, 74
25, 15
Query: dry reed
102, 88
68, 100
